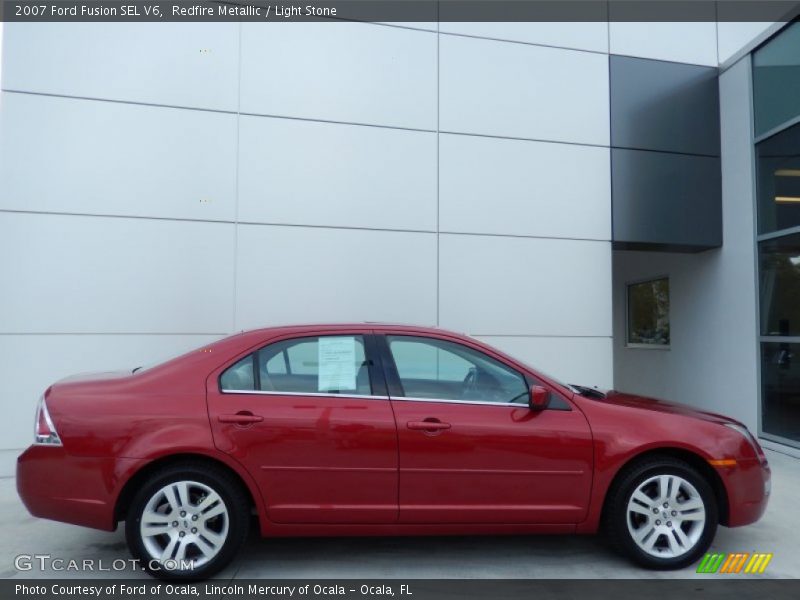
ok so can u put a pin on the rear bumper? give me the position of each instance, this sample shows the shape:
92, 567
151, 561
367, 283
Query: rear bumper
748, 485
74, 489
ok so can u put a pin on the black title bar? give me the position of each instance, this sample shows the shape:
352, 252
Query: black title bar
400, 10
740, 588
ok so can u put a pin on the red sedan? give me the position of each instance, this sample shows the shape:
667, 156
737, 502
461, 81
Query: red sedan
378, 430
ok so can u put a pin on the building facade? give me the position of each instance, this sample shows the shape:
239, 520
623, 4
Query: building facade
163, 185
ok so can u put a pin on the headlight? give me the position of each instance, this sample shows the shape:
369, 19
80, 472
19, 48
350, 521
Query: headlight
748, 436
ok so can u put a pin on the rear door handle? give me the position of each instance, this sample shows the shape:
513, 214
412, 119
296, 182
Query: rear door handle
428, 425
241, 418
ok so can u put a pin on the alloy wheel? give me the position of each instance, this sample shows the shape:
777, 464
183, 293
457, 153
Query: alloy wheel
184, 521
666, 516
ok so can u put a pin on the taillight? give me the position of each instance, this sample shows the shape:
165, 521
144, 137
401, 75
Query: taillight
44, 431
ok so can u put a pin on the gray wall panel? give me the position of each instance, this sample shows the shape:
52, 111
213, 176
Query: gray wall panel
666, 199
666, 106
665, 173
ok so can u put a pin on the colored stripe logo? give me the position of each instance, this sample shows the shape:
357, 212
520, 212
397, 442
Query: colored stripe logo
735, 562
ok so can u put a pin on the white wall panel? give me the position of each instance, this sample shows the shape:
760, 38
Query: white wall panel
584, 361
2, 46
184, 64
301, 275
96, 274
514, 187
311, 173
66, 155
685, 42
352, 72
32, 362
525, 286
518, 90
579, 35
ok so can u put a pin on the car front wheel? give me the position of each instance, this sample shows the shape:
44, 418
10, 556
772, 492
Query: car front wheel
187, 522
662, 513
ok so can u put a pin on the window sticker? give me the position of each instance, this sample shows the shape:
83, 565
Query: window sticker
337, 363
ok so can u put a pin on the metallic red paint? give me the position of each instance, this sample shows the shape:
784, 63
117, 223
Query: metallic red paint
326, 465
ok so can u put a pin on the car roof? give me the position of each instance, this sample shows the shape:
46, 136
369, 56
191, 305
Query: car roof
352, 325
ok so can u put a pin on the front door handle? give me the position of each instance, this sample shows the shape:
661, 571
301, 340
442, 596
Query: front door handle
428, 425
243, 417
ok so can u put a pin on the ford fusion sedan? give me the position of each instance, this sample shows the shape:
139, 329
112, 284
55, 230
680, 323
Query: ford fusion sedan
378, 430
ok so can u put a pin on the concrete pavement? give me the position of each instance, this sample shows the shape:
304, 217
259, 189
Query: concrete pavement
552, 557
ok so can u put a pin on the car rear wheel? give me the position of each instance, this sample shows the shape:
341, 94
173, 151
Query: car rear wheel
187, 522
661, 513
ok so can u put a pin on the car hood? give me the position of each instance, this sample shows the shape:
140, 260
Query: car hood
652, 404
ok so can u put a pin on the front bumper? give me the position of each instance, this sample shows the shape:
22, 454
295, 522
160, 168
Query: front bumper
74, 489
748, 486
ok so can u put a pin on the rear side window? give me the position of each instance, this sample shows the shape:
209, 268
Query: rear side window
310, 365
240, 376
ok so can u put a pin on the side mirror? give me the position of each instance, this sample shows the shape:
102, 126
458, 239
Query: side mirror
539, 397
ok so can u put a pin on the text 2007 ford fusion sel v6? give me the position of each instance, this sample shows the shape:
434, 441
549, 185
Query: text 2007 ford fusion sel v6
378, 430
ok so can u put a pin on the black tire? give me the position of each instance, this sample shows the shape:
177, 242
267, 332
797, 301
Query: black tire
237, 519
616, 516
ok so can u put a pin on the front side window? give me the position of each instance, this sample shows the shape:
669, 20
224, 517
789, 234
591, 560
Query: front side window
648, 314
440, 370
333, 364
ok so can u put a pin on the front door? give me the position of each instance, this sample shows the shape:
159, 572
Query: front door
471, 450
309, 421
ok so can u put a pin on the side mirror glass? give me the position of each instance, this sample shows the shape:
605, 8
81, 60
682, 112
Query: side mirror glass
539, 397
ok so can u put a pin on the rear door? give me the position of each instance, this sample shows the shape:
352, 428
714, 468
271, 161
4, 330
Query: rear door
309, 417
471, 450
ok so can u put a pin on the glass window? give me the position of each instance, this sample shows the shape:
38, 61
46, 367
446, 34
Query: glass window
778, 164
442, 370
780, 285
776, 80
239, 376
278, 364
333, 364
648, 313
780, 389
776, 102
